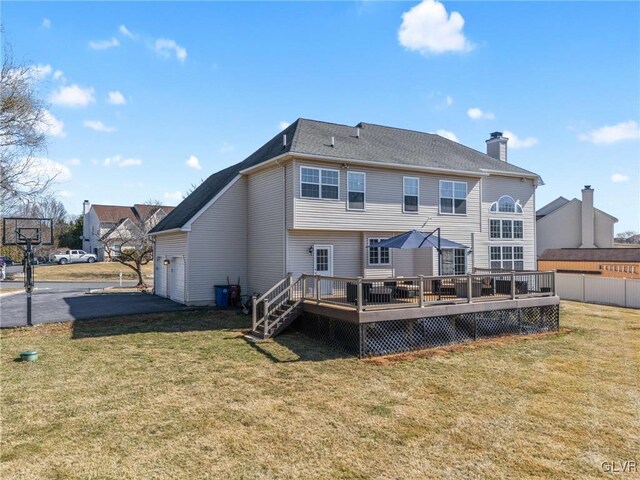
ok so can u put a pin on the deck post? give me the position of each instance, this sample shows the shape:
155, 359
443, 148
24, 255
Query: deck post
265, 312
469, 289
553, 289
254, 311
318, 289
303, 281
359, 294
421, 292
513, 285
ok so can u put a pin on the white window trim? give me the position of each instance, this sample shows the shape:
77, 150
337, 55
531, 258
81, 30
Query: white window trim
502, 237
364, 203
497, 205
320, 170
404, 195
440, 212
513, 259
377, 239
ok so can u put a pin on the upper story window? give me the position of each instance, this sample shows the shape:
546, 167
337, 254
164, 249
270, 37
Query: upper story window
378, 255
506, 204
319, 183
505, 229
453, 197
410, 193
356, 187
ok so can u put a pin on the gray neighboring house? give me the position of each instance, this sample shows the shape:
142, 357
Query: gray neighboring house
574, 223
99, 221
317, 194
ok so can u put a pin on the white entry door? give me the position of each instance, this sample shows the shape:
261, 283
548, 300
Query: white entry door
176, 287
323, 265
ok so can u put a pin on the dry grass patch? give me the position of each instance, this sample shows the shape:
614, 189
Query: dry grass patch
90, 272
185, 395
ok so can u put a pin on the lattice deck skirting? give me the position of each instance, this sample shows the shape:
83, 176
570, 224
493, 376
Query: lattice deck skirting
396, 336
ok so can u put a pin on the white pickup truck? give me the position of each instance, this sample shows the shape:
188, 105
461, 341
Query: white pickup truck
74, 256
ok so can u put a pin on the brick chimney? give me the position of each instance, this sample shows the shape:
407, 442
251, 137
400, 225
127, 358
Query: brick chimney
497, 146
588, 218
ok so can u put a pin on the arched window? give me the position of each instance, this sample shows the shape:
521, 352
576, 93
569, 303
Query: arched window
506, 204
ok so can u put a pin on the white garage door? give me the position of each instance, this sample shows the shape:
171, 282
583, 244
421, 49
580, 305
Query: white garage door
176, 285
160, 277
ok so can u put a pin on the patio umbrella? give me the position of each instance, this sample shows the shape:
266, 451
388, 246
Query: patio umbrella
416, 239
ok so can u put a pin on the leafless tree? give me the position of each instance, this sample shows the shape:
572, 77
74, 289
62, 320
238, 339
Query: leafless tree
23, 135
129, 243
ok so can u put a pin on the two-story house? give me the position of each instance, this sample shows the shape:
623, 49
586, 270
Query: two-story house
102, 221
314, 197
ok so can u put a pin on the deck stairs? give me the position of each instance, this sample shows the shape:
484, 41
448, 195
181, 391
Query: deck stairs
276, 309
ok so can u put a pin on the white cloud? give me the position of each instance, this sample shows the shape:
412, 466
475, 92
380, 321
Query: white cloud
98, 126
73, 161
427, 28
177, 195
126, 32
38, 72
65, 193
449, 100
116, 98
447, 134
58, 75
119, 161
193, 162
46, 23
516, 142
226, 148
477, 114
165, 47
612, 133
43, 169
283, 125
50, 125
73, 96
104, 44
619, 178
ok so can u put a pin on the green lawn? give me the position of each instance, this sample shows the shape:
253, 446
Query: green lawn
186, 396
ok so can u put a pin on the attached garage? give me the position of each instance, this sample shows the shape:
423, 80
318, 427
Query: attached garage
177, 280
169, 278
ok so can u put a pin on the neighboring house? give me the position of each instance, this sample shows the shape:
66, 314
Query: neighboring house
573, 224
608, 262
317, 194
102, 222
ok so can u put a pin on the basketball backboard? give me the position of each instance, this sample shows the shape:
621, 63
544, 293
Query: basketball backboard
19, 230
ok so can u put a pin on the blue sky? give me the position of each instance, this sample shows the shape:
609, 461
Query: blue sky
137, 90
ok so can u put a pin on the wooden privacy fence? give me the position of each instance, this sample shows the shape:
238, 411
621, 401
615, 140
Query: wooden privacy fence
621, 292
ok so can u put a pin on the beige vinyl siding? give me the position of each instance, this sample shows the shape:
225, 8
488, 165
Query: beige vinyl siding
266, 228
603, 230
170, 246
218, 245
523, 192
384, 201
347, 251
561, 229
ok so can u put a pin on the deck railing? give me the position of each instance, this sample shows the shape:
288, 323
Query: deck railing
406, 292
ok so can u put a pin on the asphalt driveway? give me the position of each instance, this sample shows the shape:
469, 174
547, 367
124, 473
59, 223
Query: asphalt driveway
73, 303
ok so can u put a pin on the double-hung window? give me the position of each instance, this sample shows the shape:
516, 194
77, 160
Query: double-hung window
453, 197
378, 255
506, 257
356, 187
410, 194
319, 183
505, 229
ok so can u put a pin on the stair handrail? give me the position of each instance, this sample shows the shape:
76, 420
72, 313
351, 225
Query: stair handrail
264, 320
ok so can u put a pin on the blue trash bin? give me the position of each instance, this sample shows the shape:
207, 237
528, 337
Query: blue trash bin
222, 295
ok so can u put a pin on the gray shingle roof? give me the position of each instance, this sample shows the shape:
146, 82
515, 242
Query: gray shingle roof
376, 143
